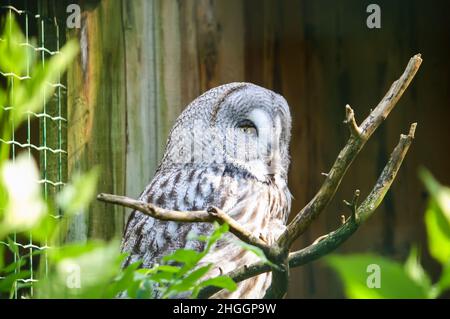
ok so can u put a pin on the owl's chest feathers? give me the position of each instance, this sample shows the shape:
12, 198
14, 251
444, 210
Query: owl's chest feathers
251, 201
261, 207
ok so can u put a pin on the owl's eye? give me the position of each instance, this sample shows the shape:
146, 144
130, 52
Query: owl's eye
248, 127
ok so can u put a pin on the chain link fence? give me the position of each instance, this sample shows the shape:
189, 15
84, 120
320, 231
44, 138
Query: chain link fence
43, 136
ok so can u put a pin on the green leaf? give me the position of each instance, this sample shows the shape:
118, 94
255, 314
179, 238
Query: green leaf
440, 193
125, 279
13, 54
224, 282
168, 269
372, 276
2, 254
72, 250
14, 265
145, 290
163, 277
77, 195
443, 284
437, 218
438, 232
25, 205
188, 283
83, 270
7, 283
12, 246
415, 271
186, 256
29, 96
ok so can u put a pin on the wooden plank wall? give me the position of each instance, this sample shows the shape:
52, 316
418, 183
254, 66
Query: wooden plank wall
143, 61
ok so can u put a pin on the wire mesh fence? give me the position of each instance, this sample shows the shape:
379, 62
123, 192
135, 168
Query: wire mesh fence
43, 136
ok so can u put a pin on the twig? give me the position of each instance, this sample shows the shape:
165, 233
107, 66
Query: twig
353, 205
331, 241
351, 121
210, 215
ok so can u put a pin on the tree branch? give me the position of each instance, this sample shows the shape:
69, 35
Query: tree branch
351, 122
354, 145
331, 241
212, 214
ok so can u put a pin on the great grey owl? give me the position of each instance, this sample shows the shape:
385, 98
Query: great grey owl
230, 149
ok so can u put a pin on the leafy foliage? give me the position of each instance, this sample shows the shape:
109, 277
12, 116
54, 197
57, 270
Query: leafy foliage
408, 280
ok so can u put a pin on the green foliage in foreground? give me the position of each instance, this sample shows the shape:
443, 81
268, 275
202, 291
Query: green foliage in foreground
373, 276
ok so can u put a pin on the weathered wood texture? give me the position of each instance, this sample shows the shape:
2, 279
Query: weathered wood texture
143, 61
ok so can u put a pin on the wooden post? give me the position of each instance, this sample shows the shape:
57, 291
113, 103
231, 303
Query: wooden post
141, 63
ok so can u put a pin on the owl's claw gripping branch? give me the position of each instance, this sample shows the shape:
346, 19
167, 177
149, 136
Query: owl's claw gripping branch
278, 253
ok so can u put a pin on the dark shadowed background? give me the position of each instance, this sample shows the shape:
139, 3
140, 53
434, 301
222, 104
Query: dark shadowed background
142, 61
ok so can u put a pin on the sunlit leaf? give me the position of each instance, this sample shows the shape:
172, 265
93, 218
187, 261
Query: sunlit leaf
415, 271
82, 271
31, 96
437, 218
186, 256
188, 282
438, 232
7, 283
14, 266
25, 205
77, 195
372, 276
224, 282
440, 193
443, 284
13, 53
169, 269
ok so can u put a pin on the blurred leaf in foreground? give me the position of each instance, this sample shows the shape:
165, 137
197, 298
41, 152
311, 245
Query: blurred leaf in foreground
356, 272
437, 218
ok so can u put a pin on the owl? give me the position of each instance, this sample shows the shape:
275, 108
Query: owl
229, 148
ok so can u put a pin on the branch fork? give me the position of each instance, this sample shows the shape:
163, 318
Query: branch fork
279, 252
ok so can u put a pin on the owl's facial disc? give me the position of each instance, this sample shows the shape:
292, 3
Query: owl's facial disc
255, 143
238, 124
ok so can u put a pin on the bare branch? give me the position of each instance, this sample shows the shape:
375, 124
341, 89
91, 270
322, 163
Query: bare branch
327, 243
210, 215
354, 145
380, 113
353, 205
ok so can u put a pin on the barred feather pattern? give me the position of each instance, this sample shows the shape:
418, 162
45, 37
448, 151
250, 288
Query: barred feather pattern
252, 191
262, 207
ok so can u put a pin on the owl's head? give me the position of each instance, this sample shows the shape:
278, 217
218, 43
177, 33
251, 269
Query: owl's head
239, 124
